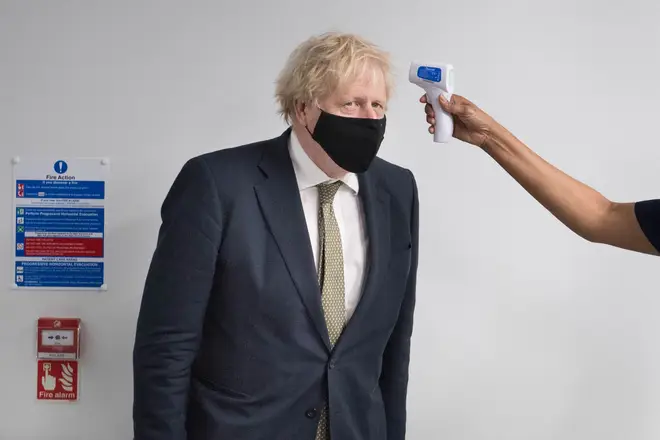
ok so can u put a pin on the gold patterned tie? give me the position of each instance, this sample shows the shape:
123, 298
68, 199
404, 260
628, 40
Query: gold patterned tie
331, 278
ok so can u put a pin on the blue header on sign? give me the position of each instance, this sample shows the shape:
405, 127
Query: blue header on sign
60, 189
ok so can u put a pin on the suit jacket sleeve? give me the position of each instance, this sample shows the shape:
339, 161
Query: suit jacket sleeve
396, 359
174, 302
648, 216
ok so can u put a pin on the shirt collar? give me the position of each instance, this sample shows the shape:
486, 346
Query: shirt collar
308, 174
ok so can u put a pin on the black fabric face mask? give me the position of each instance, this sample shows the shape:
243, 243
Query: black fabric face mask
352, 143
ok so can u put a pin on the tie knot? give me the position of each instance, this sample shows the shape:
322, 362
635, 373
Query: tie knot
327, 191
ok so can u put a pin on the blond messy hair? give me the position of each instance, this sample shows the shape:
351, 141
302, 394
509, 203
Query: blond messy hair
320, 65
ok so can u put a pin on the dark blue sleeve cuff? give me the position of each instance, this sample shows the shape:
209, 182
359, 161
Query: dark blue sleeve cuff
648, 216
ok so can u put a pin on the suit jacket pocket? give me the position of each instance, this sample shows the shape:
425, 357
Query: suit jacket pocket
220, 388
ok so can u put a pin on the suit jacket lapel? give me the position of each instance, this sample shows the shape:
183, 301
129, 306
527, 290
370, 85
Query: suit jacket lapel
279, 199
375, 201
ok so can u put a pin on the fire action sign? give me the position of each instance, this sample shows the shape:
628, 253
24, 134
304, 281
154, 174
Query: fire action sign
59, 224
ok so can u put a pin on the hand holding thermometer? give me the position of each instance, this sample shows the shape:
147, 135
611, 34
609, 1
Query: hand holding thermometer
436, 79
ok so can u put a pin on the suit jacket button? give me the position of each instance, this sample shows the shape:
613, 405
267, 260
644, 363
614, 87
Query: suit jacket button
311, 413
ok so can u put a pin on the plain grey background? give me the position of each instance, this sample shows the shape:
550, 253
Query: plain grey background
523, 330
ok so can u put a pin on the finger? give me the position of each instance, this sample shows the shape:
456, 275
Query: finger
458, 105
428, 108
423, 98
430, 120
463, 100
453, 106
447, 106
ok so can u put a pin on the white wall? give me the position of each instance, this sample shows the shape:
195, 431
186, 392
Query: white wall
523, 330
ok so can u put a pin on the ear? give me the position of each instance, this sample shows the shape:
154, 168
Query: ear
300, 108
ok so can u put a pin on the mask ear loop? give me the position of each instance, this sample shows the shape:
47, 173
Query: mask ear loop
316, 104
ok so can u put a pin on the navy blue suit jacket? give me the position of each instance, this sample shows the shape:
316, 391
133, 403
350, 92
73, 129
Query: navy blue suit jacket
231, 341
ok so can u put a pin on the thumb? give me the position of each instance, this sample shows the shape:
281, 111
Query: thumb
457, 105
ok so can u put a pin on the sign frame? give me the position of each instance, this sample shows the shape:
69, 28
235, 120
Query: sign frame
91, 172
66, 378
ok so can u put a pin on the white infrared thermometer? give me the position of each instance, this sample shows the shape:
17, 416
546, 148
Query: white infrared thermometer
436, 79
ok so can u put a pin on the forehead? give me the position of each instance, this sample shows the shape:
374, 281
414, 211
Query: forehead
368, 83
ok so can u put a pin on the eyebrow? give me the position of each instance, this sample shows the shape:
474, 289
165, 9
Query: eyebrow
362, 98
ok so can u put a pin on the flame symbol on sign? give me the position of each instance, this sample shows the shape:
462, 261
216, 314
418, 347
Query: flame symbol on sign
67, 377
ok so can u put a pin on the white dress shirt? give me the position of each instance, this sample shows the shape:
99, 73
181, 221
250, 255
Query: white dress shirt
348, 212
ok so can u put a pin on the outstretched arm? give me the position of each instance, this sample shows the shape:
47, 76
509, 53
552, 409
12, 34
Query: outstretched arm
632, 226
581, 208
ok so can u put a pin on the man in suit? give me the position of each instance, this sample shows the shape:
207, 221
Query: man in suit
279, 302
